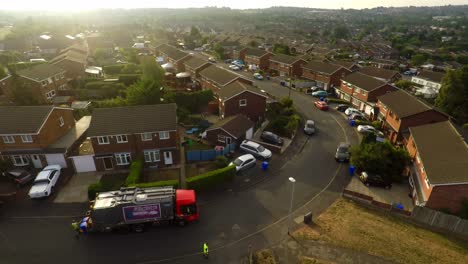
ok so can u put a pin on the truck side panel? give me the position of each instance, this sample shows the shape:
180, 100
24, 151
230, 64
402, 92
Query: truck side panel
148, 212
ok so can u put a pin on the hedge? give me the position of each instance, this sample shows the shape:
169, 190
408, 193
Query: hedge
95, 188
209, 179
173, 183
136, 169
337, 101
113, 69
129, 79
95, 85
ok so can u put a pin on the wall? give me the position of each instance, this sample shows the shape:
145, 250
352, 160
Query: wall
73, 69
428, 117
372, 95
448, 196
212, 137
254, 110
345, 89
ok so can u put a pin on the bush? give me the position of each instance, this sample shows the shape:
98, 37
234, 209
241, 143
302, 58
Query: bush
95, 188
113, 69
5, 165
221, 161
377, 124
278, 126
173, 183
465, 126
95, 85
129, 79
362, 122
136, 169
212, 178
337, 101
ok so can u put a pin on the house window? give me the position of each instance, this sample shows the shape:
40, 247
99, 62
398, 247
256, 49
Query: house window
26, 138
8, 139
152, 155
426, 180
50, 94
44, 83
19, 160
164, 135
122, 139
243, 102
122, 158
57, 77
103, 140
61, 122
222, 138
146, 137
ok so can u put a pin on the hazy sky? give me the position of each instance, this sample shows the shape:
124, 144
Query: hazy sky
239, 4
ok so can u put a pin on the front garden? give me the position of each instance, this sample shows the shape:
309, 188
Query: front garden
284, 119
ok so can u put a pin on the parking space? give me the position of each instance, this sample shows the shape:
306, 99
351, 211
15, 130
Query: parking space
76, 189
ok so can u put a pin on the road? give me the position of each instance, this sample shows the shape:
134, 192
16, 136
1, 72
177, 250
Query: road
230, 222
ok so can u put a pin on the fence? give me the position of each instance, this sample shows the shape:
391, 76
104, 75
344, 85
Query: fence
210, 154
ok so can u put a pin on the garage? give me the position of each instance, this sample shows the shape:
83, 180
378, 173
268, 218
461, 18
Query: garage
53, 159
84, 163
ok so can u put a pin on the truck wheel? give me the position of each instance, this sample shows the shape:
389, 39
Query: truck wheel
138, 228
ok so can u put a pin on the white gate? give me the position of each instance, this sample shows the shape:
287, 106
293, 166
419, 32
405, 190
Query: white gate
53, 159
249, 133
84, 163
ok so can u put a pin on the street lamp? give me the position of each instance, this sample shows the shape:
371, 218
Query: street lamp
292, 180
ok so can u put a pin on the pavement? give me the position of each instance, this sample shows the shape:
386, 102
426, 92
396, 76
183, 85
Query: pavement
253, 212
76, 190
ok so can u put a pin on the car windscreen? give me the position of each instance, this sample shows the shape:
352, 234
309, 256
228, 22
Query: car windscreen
237, 162
41, 181
261, 148
342, 149
310, 125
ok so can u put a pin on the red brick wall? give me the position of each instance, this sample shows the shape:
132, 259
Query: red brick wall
212, 137
344, 88
336, 77
448, 196
255, 108
73, 69
297, 68
312, 75
428, 117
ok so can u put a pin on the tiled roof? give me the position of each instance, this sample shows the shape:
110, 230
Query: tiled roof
255, 52
70, 55
443, 152
172, 52
133, 119
236, 87
286, 59
363, 81
23, 119
322, 67
347, 64
403, 104
41, 71
431, 76
218, 75
195, 62
235, 125
378, 72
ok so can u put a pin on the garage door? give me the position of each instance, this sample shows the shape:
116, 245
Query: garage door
84, 163
53, 159
249, 133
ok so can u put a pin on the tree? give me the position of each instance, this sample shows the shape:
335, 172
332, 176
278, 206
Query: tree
195, 33
22, 94
219, 50
2, 72
149, 88
418, 59
253, 43
404, 84
281, 49
341, 32
101, 54
453, 94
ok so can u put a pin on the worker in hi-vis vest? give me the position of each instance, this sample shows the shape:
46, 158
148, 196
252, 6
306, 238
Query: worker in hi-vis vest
205, 250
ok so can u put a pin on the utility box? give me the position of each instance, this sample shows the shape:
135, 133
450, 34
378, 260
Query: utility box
308, 218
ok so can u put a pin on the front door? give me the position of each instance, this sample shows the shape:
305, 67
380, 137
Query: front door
36, 161
228, 140
108, 163
168, 158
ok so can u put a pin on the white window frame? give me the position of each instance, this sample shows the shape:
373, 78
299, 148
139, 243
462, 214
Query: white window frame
50, 94
120, 138
144, 136
123, 158
243, 104
152, 156
163, 135
221, 138
103, 140
8, 139
26, 138
61, 121
24, 160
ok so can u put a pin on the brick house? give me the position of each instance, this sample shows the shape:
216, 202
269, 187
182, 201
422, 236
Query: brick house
74, 62
194, 65
239, 53
324, 74
241, 98
45, 136
173, 55
350, 65
362, 91
438, 174
229, 130
429, 79
257, 57
385, 75
285, 65
121, 134
399, 111
214, 78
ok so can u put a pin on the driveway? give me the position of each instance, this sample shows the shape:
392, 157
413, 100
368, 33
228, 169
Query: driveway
76, 190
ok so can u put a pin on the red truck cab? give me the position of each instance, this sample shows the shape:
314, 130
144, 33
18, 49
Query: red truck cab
186, 205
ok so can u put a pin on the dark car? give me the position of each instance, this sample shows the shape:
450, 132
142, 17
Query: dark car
271, 138
374, 180
20, 176
341, 107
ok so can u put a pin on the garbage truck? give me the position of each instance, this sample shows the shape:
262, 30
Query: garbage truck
134, 208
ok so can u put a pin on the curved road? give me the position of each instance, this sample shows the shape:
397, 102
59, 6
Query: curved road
235, 220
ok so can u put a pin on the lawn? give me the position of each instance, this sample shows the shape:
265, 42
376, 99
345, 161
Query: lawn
113, 181
349, 225
161, 175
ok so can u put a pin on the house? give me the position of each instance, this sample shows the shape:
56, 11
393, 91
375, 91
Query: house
45, 136
238, 53
303, 48
51, 45
362, 91
258, 57
230, 130
350, 65
44, 80
438, 174
324, 74
286, 65
194, 65
121, 134
97, 41
385, 75
429, 79
173, 55
74, 62
242, 98
214, 78
399, 111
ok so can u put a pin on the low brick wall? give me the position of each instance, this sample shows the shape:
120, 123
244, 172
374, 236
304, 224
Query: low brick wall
369, 200
273, 148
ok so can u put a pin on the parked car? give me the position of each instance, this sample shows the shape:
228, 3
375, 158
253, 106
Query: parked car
320, 94
375, 180
228, 61
20, 176
342, 152
351, 110
45, 181
234, 67
255, 149
309, 127
366, 129
321, 105
341, 108
198, 49
272, 138
211, 59
258, 76
244, 162
358, 116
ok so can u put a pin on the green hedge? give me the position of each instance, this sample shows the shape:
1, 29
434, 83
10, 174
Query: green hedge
337, 101
209, 179
95, 85
113, 69
361, 122
129, 79
136, 169
95, 188
173, 183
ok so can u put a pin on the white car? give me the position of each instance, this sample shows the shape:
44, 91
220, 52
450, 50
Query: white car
258, 76
45, 182
234, 67
211, 59
368, 129
244, 162
351, 111
255, 149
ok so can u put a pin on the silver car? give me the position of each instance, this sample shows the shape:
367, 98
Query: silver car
342, 152
244, 162
309, 127
255, 149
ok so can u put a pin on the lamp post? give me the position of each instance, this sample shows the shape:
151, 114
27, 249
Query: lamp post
293, 181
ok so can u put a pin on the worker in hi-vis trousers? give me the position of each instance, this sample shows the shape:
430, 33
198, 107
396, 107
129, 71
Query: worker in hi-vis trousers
205, 250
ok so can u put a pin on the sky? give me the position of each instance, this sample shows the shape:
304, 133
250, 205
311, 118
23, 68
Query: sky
77, 5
